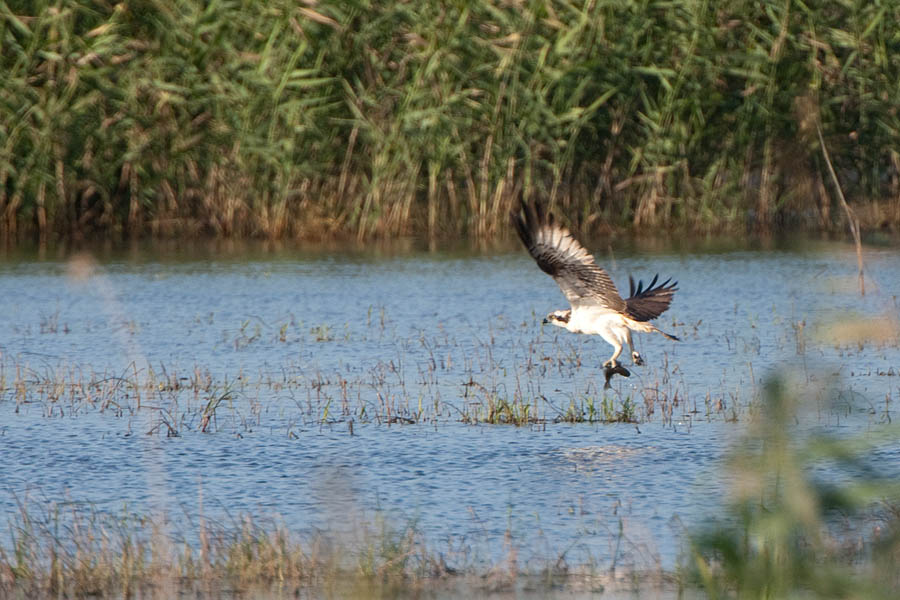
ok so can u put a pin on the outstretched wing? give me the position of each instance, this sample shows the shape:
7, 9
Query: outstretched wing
646, 304
560, 255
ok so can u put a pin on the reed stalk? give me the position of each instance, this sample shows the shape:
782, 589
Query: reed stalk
284, 119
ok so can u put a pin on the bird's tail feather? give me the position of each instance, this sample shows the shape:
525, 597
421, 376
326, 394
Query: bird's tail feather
646, 327
674, 338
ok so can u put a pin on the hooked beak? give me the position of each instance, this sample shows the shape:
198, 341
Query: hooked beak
546, 320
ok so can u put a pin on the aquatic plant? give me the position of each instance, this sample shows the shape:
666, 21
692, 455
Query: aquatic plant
73, 551
420, 378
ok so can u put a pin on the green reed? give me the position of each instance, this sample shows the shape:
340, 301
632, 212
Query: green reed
249, 118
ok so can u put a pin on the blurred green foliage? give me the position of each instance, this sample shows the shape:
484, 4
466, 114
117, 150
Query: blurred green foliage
813, 515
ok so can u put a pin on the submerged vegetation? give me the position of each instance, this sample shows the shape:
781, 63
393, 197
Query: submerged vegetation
286, 118
415, 379
172, 402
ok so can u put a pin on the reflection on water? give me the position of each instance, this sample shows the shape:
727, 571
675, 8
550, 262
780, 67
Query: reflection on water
297, 362
594, 456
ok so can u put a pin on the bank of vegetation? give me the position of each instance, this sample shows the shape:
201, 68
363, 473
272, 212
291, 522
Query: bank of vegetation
318, 119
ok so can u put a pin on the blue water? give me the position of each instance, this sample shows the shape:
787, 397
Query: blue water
315, 354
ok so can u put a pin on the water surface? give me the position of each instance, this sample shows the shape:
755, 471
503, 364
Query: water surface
348, 384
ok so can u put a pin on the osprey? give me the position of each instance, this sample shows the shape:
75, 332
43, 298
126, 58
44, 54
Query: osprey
597, 307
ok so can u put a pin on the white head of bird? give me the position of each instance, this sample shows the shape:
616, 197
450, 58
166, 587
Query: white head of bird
559, 317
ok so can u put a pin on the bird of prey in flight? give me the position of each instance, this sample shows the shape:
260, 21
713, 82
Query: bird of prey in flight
596, 306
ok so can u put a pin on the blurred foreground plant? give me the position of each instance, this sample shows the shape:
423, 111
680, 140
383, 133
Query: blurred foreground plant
812, 515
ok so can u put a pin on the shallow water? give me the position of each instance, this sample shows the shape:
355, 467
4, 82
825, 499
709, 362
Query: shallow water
322, 358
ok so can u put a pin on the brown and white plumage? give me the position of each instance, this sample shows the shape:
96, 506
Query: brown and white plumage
597, 307
560, 255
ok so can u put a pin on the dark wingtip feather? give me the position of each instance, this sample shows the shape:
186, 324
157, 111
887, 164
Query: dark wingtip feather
648, 302
520, 226
666, 286
528, 218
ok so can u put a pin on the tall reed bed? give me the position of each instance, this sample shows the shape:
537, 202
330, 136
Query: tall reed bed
284, 118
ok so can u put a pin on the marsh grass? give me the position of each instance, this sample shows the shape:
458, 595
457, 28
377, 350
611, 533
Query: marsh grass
279, 119
437, 378
171, 404
72, 550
